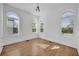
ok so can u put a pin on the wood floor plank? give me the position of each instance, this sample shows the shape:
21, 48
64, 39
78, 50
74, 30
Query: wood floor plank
38, 47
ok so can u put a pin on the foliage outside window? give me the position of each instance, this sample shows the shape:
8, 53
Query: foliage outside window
13, 23
33, 27
67, 23
41, 27
37, 25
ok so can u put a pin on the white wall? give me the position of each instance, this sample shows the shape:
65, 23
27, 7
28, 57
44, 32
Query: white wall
1, 28
53, 24
25, 25
0, 25
77, 29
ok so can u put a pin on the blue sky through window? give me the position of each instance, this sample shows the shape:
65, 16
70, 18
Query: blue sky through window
67, 14
66, 21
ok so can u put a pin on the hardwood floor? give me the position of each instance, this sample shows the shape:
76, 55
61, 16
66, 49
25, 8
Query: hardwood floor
38, 47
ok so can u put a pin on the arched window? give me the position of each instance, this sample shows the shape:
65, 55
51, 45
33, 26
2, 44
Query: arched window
13, 23
67, 22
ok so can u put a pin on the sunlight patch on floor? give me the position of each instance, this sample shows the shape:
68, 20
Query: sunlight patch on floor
55, 47
42, 45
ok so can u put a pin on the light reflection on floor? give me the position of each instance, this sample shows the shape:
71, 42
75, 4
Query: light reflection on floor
55, 47
42, 45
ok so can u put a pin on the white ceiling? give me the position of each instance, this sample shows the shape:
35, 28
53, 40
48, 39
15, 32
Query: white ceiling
46, 9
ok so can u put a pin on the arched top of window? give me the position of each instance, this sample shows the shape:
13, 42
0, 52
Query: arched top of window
13, 15
67, 14
67, 22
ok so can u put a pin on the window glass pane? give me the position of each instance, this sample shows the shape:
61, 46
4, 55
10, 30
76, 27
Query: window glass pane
12, 23
34, 25
38, 25
67, 23
41, 27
